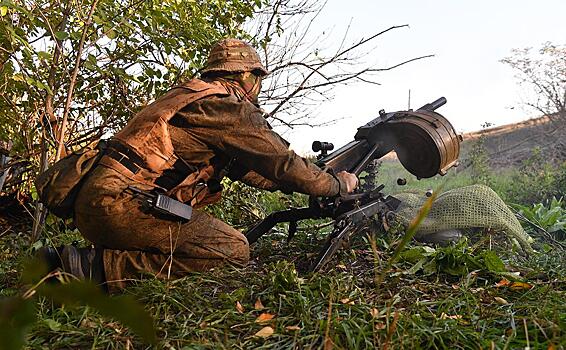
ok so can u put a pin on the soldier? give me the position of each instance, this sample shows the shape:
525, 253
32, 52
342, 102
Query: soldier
183, 144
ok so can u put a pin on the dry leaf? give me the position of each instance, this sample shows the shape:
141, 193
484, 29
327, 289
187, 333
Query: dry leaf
444, 316
115, 326
513, 285
347, 301
203, 325
374, 312
86, 323
455, 287
239, 307
380, 325
501, 301
520, 286
385, 224
503, 283
341, 266
293, 328
258, 305
264, 332
264, 317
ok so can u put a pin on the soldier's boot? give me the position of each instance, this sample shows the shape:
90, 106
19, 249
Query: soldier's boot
83, 263
51, 257
442, 238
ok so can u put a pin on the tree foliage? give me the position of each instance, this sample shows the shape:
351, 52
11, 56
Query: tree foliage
96, 62
72, 72
544, 72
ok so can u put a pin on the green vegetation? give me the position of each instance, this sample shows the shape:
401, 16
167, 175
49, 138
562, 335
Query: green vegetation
384, 291
479, 293
534, 181
74, 71
549, 219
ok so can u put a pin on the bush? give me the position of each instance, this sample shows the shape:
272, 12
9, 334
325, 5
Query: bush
549, 218
479, 162
536, 180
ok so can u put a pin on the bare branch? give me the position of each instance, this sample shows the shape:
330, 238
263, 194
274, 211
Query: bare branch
72, 82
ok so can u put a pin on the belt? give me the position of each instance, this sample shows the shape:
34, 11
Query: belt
125, 156
134, 163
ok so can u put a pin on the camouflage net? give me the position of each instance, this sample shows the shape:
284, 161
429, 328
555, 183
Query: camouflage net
469, 207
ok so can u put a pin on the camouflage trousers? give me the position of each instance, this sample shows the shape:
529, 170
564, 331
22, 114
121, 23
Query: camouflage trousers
136, 242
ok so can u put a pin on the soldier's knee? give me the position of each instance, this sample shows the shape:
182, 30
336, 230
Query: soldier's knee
240, 251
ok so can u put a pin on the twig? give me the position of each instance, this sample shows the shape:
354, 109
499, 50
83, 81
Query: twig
40, 213
315, 69
327, 341
391, 329
316, 227
73, 82
5, 232
54, 63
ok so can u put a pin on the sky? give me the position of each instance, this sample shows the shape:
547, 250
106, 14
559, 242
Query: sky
468, 39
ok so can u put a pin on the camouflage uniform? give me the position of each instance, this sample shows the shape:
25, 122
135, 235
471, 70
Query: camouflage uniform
219, 134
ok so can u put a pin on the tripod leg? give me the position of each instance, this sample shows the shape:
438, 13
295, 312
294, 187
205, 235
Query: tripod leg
335, 240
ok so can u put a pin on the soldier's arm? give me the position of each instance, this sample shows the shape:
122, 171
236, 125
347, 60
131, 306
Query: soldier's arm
238, 130
251, 178
263, 151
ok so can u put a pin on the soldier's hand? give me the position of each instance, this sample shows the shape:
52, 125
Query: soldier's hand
349, 179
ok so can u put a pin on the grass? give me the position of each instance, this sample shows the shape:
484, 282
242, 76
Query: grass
430, 298
341, 306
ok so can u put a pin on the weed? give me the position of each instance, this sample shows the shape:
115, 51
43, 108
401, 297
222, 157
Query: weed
452, 297
479, 161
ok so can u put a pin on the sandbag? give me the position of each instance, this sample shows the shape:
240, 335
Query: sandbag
468, 207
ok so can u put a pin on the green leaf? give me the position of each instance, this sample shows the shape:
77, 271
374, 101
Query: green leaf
88, 65
76, 35
430, 267
61, 35
123, 308
492, 262
412, 255
416, 267
34, 269
16, 317
91, 58
38, 244
111, 34
558, 226
44, 55
409, 234
38, 84
97, 20
52, 324
3, 11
